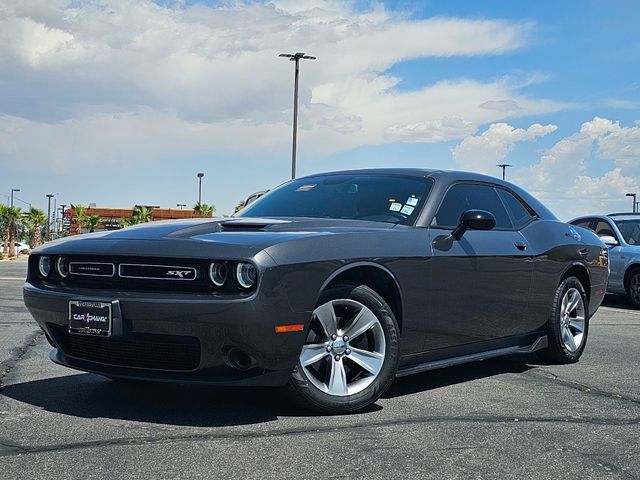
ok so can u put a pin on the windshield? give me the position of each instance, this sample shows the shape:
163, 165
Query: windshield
630, 230
378, 198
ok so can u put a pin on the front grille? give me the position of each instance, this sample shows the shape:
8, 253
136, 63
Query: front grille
148, 351
126, 273
156, 272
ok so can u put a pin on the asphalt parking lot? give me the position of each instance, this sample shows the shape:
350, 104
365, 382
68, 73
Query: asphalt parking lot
509, 418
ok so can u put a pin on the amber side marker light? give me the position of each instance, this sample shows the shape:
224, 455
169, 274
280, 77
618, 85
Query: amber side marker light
296, 327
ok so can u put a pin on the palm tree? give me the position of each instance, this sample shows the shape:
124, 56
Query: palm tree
35, 219
4, 225
204, 209
143, 214
239, 206
79, 214
128, 221
12, 217
92, 222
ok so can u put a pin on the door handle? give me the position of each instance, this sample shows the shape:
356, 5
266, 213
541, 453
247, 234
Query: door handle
520, 245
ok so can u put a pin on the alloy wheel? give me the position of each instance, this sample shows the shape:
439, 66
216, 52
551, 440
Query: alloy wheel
572, 320
634, 288
345, 348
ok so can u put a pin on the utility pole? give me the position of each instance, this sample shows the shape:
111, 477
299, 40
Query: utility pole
634, 200
200, 175
295, 57
49, 197
504, 167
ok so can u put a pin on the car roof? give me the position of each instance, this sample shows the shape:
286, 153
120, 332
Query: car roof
417, 172
625, 216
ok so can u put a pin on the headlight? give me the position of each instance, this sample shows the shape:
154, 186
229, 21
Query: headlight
44, 266
218, 273
62, 267
246, 274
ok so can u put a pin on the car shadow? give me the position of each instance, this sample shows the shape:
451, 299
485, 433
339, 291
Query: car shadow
444, 377
617, 301
87, 395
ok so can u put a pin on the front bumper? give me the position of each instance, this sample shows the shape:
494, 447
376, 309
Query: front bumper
175, 337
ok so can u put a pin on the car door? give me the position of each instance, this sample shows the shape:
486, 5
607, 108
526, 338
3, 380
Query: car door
482, 281
617, 259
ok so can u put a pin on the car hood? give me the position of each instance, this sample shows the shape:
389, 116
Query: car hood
229, 237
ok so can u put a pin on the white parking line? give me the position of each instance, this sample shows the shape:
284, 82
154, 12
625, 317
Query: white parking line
17, 279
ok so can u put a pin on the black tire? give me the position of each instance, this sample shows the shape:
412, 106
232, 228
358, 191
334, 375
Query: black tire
310, 397
632, 288
556, 351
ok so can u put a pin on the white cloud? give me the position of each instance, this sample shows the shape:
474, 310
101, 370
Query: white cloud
481, 153
81, 70
561, 177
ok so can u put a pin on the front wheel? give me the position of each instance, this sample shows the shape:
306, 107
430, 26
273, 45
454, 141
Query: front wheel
632, 288
568, 324
350, 356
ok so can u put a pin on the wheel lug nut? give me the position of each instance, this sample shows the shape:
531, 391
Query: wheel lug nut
345, 338
348, 351
337, 358
329, 348
334, 336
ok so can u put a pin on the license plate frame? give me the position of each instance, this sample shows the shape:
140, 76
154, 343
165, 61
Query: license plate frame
90, 318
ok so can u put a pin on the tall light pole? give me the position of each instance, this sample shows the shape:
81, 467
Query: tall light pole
200, 175
49, 196
295, 57
504, 166
13, 190
634, 200
181, 205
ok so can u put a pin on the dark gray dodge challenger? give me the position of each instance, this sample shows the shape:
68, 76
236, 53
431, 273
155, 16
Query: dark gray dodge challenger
331, 285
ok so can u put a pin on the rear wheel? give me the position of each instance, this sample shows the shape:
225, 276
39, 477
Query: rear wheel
632, 288
350, 356
568, 325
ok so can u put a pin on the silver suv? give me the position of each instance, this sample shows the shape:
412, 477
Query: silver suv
621, 233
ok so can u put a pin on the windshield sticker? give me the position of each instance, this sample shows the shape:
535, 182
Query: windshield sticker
407, 209
413, 201
395, 207
305, 188
391, 200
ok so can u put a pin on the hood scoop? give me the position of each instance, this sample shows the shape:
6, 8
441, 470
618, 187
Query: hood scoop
249, 224
242, 227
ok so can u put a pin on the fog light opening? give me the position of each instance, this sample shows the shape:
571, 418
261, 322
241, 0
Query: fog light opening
240, 360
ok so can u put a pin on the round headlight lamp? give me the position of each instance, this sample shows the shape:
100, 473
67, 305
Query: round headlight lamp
44, 266
218, 272
246, 275
62, 267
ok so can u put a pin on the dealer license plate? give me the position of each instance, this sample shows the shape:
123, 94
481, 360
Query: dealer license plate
90, 318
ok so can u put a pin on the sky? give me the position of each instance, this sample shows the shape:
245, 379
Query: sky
123, 102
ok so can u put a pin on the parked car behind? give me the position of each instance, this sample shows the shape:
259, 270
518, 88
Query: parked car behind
20, 247
621, 233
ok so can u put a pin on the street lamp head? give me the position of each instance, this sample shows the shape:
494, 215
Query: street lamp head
630, 195
50, 195
200, 175
297, 56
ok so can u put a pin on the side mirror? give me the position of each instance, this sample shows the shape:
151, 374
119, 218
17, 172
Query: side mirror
474, 220
609, 241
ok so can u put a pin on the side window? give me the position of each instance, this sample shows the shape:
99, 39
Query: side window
584, 223
603, 228
466, 196
519, 214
